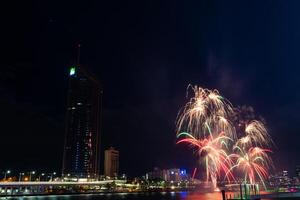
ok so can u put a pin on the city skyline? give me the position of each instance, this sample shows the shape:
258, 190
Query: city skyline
146, 54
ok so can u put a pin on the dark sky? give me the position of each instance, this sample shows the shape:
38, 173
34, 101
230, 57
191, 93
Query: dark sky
145, 53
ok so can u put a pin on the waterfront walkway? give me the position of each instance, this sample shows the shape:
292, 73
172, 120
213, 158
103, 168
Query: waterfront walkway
43, 187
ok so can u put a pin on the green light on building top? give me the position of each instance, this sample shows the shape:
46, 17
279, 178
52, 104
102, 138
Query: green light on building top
72, 71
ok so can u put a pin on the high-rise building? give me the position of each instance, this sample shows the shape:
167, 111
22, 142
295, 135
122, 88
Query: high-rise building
111, 162
83, 124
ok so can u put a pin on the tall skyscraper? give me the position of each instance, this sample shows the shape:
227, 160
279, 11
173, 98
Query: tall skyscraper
83, 124
111, 162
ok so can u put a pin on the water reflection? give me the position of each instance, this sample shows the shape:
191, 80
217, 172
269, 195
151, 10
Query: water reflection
203, 196
128, 196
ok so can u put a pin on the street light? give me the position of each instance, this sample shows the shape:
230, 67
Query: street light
54, 173
20, 176
40, 176
33, 172
5, 173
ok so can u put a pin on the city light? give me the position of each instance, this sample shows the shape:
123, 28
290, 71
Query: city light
183, 172
72, 71
30, 174
5, 173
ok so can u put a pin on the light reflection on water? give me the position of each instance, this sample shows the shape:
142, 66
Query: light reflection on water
127, 196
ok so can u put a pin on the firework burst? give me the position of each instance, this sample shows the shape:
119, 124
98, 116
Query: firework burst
205, 124
204, 120
212, 150
254, 162
257, 134
206, 113
252, 154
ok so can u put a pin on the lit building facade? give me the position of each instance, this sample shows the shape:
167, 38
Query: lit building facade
280, 179
81, 156
175, 175
111, 162
156, 174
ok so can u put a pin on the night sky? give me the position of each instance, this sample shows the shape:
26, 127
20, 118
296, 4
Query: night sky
145, 53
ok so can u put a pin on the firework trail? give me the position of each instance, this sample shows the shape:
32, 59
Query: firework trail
251, 151
194, 173
205, 114
252, 154
213, 151
254, 162
206, 122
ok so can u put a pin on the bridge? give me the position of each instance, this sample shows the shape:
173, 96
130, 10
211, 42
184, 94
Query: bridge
58, 187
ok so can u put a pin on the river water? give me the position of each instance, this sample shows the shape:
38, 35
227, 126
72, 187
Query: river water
127, 196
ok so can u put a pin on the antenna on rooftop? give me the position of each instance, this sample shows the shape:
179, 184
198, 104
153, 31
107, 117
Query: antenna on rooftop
78, 54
